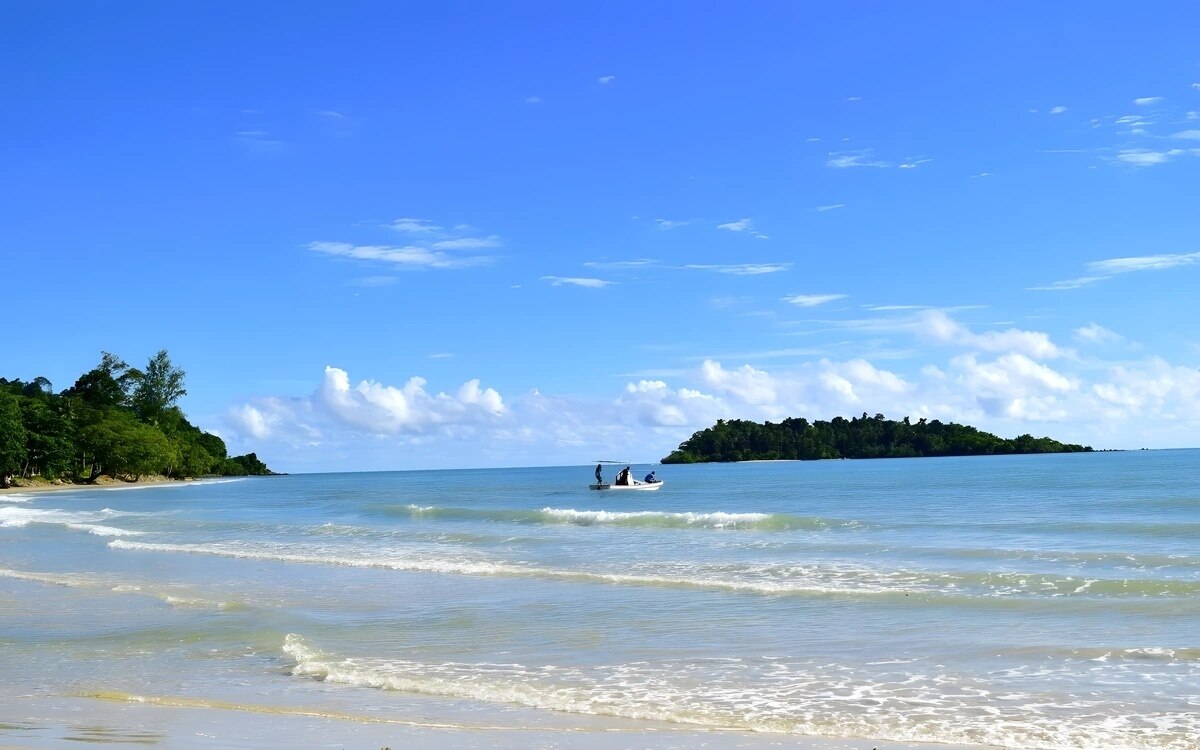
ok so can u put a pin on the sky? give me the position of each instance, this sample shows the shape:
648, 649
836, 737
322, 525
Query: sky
387, 236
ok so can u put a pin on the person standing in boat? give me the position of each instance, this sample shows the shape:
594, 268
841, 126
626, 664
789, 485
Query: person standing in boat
599, 475
623, 477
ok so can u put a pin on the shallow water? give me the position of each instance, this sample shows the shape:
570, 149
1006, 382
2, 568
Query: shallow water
1020, 601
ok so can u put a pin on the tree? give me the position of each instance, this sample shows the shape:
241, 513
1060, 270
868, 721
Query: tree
105, 385
158, 388
12, 437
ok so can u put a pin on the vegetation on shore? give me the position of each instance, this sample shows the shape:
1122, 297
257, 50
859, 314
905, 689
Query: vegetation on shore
115, 420
865, 437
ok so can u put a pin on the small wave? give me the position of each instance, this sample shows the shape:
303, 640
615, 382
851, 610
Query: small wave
750, 695
17, 517
807, 579
642, 518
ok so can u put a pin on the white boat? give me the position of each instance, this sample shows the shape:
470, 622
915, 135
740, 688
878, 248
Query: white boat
634, 484
643, 486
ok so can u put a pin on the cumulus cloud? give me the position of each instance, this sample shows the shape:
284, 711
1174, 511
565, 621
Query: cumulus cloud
938, 327
345, 424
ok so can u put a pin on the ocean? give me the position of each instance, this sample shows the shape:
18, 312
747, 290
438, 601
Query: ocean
1045, 602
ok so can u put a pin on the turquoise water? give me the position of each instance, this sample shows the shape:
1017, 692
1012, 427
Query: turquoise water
1020, 601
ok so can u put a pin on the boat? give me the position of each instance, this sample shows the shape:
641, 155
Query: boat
633, 485
643, 486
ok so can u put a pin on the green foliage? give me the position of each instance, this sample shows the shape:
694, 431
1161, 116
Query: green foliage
12, 437
157, 389
114, 420
868, 437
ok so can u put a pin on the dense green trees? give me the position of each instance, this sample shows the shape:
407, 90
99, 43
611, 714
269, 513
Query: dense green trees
114, 420
866, 437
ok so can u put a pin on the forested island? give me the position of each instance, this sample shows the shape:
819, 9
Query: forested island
115, 421
865, 437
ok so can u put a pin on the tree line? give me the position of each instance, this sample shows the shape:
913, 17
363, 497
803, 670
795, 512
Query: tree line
865, 437
116, 420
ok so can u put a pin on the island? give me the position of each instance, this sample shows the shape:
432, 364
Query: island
865, 437
116, 421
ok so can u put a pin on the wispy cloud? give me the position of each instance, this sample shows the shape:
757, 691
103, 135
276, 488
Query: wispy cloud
372, 281
533, 100
1115, 266
889, 308
848, 159
854, 98
1140, 157
1097, 334
1188, 135
441, 355
427, 245
415, 226
670, 223
913, 163
258, 140
412, 257
742, 225
1100, 270
741, 269
1146, 101
606, 79
577, 281
331, 114
831, 206
1058, 110
635, 263
812, 300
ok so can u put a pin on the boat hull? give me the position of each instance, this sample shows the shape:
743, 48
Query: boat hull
642, 486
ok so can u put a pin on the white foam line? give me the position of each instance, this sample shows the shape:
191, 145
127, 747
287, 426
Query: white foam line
505, 569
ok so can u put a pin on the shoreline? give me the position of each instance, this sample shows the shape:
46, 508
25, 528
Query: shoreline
108, 482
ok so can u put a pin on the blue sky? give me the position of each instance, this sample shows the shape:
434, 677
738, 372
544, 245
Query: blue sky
384, 236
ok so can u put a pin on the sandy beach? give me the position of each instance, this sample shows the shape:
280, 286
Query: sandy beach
101, 483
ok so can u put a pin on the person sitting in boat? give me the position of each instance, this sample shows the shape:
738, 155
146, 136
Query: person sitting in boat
650, 478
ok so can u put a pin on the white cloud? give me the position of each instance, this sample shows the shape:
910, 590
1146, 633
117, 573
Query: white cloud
406, 257
577, 281
429, 246
1114, 266
441, 355
467, 243
416, 226
635, 263
848, 159
854, 98
1191, 135
533, 100
1140, 157
914, 163
938, 327
742, 225
1097, 334
831, 207
1101, 270
1058, 110
370, 425
1145, 101
741, 269
331, 114
670, 224
812, 300
1193, 115
606, 79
